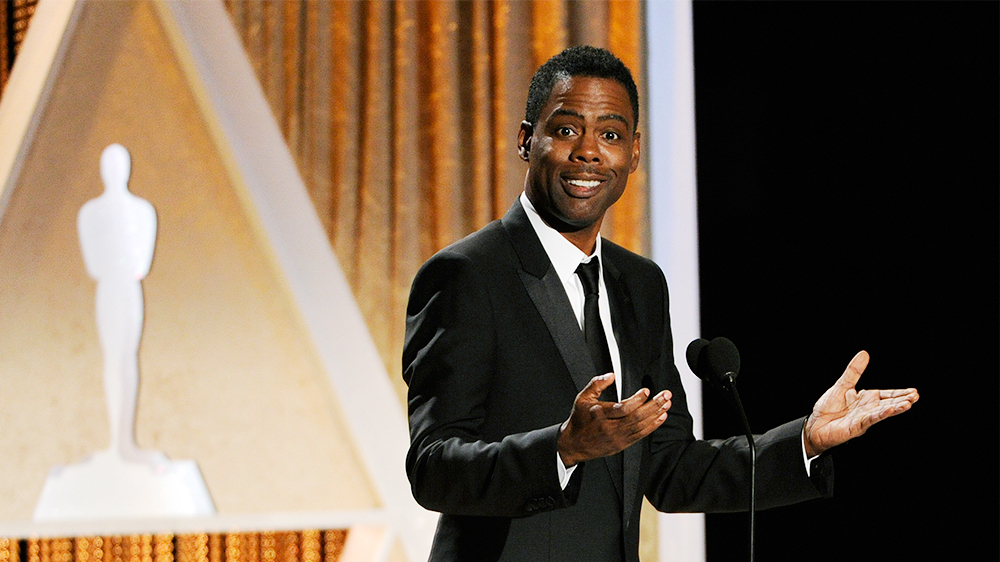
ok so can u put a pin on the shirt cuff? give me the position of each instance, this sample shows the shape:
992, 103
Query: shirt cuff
566, 473
805, 459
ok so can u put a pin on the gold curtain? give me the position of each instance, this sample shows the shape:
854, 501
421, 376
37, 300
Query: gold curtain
275, 546
5, 50
14, 18
403, 118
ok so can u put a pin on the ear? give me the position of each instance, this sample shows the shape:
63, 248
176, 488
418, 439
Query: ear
635, 152
524, 134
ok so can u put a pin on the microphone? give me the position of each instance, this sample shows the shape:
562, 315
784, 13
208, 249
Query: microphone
718, 362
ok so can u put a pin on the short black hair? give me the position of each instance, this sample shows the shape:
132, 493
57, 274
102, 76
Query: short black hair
582, 60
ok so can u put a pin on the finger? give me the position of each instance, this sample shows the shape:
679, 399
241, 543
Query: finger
909, 393
897, 406
630, 404
649, 410
886, 410
638, 407
592, 392
854, 369
648, 424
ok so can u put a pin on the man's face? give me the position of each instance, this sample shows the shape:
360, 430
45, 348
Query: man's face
580, 153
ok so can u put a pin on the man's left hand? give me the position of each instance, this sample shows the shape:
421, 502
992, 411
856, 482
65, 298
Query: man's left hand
843, 412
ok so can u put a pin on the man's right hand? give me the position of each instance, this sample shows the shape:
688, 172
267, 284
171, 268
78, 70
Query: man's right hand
601, 429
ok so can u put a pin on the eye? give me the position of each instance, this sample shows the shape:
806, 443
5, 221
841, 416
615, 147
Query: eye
611, 136
564, 131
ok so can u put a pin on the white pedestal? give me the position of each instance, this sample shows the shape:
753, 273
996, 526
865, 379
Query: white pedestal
105, 486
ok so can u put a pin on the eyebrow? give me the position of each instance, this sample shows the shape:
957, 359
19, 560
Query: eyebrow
566, 112
613, 117
608, 117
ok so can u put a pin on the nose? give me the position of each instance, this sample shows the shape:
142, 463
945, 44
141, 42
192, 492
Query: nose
586, 149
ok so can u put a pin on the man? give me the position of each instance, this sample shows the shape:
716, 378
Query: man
526, 453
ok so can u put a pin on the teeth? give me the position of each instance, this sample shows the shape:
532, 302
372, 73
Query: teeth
584, 183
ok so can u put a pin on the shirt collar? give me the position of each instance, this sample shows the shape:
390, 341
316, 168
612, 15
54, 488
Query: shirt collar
565, 257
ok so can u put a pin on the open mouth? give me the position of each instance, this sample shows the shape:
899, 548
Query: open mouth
585, 184
582, 188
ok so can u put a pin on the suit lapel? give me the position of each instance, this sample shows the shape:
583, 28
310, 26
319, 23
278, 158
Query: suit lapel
550, 299
549, 296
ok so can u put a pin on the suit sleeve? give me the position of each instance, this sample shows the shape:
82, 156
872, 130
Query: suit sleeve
449, 361
688, 475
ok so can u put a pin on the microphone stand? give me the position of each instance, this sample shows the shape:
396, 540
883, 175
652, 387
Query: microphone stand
729, 381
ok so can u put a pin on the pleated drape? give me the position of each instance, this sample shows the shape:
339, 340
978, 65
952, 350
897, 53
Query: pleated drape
268, 546
6, 61
15, 15
403, 118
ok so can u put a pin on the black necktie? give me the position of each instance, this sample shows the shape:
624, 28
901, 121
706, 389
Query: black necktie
593, 329
597, 344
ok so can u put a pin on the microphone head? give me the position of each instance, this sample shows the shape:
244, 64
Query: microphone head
717, 361
695, 353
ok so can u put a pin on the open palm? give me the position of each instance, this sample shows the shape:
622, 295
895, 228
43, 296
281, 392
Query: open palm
843, 412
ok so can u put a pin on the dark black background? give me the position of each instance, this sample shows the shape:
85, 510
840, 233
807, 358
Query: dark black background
848, 163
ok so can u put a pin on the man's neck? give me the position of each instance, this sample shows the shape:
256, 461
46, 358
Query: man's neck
555, 241
585, 238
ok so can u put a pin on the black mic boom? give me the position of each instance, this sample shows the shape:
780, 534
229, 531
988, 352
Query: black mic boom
718, 362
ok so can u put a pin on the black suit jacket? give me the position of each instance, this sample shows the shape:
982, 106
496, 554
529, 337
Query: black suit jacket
494, 359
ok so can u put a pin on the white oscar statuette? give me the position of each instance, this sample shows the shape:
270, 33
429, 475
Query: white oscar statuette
117, 235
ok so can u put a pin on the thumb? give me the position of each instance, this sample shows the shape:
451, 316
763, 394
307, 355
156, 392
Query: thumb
854, 369
592, 392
